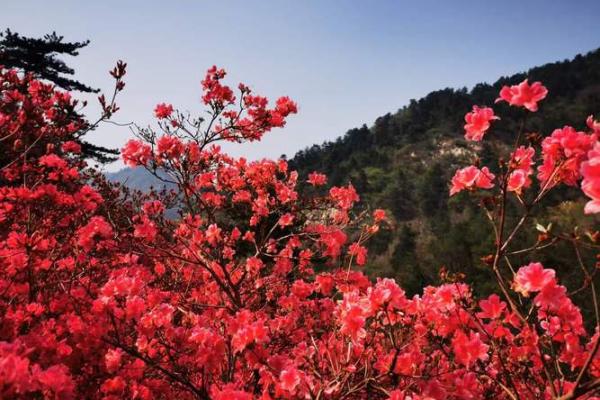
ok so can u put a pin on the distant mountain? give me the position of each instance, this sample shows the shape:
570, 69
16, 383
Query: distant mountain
136, 178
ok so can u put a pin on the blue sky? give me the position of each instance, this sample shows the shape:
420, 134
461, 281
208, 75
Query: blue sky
344, 62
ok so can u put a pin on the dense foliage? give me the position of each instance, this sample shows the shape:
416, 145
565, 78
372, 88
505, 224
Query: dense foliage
42, 57
255, 289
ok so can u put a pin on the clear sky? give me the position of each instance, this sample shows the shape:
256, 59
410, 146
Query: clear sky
344, 62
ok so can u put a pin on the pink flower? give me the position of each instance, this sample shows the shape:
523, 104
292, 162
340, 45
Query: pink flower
115, 386
146, 229
353, 322
332, 240
590, 171
231, 394
469, 349
170, 146
523, 95
387, 290
285, 106
345, 197
213, 234
301, 289
522, 157
289, 379
563, 152
58, 379
113, 359
397, 395
471, 177
521, 161
552, 296
71, 147
163, 110
286, 220
254, 264
358, 251
136, 153
478, 122
518, 180
533, 278
53, 161
96, 228
214, 92
592, 190
317, 179
154, 207
379, 215
492, 307
325, 283
593, 124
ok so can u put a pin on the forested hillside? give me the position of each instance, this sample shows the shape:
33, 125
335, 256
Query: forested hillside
403, 163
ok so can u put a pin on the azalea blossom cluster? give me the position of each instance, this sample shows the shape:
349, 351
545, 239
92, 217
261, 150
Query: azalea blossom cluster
567, 156
254, 289
564, 153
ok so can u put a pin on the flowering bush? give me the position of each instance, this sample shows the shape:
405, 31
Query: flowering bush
255, 289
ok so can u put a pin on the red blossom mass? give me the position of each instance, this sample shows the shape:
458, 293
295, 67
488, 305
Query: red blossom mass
251, 290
